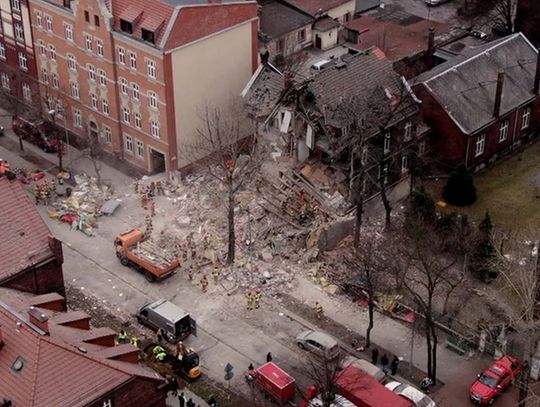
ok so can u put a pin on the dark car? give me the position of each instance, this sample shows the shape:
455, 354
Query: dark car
494, 380
42, 134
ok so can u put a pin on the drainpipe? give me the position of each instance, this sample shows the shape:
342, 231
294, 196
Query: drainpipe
537, 75
468, 140
498, 94
515, 128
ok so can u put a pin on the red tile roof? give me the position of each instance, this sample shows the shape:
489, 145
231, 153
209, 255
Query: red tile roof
25, 236
314, 6
56, 372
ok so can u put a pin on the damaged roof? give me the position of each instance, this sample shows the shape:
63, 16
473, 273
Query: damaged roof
465, 86
277, 19
314, 7
25, 236
264, 90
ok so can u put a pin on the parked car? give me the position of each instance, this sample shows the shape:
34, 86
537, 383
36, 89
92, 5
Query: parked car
369, 368
40, 133
318, 342
494, 380
435, 2
479, 34
174, 321
410, 393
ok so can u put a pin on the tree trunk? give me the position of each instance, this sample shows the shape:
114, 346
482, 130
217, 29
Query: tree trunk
21, 145
371, 307
386, 203
434, 353
60, 154
232, 238
358, 224
429, 350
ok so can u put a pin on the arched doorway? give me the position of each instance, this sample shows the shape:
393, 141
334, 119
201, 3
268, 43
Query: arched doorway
93, 129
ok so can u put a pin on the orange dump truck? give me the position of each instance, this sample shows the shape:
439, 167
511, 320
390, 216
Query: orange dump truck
155, 262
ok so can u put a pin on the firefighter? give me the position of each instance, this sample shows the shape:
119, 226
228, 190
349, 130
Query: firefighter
204, 283
216, 272
122, 336
159, 188
152, 208
37, 193
257, 298
249, 300
190, 272
258, 183
159, 353
135, 341
318, 310
149, 226
152, 189
136, 187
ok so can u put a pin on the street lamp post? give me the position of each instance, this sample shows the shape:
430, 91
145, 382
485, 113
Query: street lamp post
53, 114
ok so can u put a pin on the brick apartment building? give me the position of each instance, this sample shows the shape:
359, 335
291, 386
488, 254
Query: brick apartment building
18, 75
135, 73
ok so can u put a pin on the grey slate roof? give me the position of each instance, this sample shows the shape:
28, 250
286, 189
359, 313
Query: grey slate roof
465, 86
264, 90
365, 5
277, 19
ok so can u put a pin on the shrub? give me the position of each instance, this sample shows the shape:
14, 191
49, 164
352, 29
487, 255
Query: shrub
459, 189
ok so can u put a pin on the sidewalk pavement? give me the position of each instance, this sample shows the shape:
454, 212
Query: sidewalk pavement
172, 400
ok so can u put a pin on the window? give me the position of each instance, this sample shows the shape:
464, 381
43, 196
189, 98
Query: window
135, 91
126, 26
121, 56
5, 81
19, 34
55, 81
129, 149
139, 148
88, 42
2, 51
148, 36
421, 148
52, 52
132, 60
72, 62
77, 118
23, 63
96, 20
75, 90
153, 100
48, 23
125, 115
364, 157
480, 145
86, 16
102, 77
92, 73
124, 86
302, 35
503, 131
386, 148
151, 68
16, 5
93, 101
27, 92
526, 118
39, 19
42, 47
383, 173
45, 75
107, 135
138, 120
408, 132
105, 106
154, 129
68, 31
404, 163
99, 47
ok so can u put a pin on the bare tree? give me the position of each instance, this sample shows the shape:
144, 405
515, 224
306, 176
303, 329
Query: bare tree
517, 261
427, 275
324, 373
370, 263
500, 12
54, 104
226, 148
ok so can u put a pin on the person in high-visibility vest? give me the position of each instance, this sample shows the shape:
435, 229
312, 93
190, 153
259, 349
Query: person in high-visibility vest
135, 341
159, 353
122, 336
204, 283
216, 272
257, 298
318, 310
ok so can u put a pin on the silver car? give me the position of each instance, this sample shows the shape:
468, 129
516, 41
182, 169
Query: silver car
435, 2
318, 342
416, 396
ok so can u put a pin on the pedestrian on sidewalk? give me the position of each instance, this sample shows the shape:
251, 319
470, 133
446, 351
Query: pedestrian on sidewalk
318, 310
182, 400
374, 356
268, 357
394, 365
190, 403
384, 362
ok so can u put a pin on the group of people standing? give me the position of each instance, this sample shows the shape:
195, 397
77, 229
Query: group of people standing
387, 366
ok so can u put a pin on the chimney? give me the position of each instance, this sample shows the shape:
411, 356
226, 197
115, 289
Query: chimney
1, 338
39, 319
498, 94
537, 75
264, 55
431, 40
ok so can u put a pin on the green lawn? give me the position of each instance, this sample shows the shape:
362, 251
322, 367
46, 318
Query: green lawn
508, 189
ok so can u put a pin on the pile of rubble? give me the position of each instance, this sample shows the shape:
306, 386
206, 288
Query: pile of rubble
83, 205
